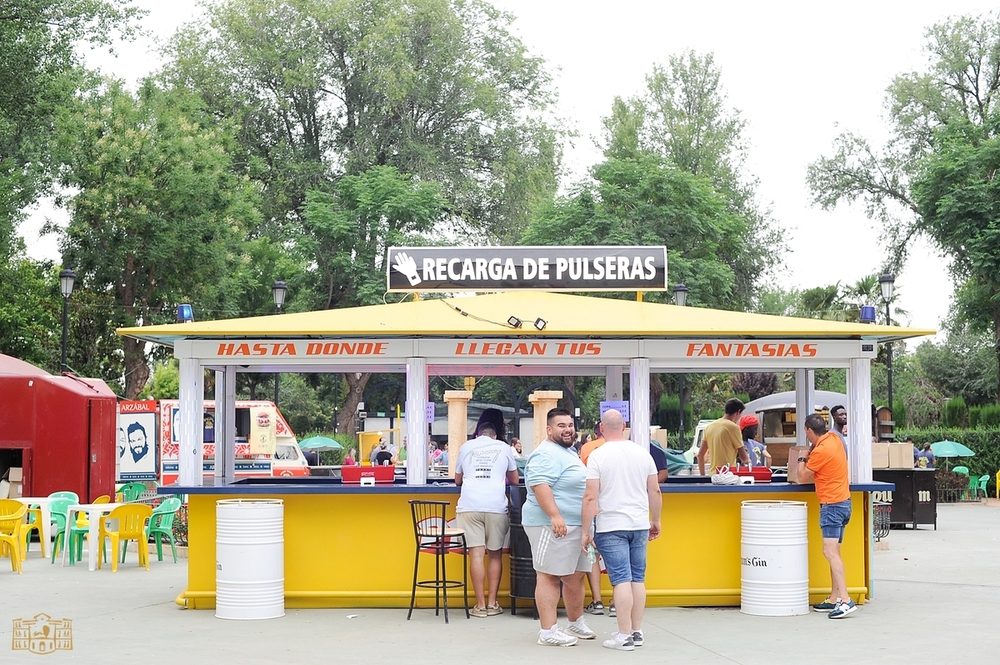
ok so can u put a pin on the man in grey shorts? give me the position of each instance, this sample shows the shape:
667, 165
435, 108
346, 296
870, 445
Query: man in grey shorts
484, 467
552, 519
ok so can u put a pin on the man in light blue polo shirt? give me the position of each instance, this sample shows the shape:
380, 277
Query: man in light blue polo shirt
556, 479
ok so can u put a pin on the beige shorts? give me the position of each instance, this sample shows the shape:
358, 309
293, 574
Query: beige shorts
484, 529
557, 556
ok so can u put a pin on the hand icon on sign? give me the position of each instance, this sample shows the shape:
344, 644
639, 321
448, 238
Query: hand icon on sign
408, 267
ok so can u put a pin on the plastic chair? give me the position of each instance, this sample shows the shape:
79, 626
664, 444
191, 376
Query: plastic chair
131, 491
131, 525
981, 486
11, 521
59, 510
964, 470
35, 520
79, 529
998, 485
972, 492
434, 537
161, 525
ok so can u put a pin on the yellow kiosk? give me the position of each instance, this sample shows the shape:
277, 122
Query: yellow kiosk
337, 535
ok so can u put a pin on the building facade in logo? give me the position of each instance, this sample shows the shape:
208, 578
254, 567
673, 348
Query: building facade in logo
42, 635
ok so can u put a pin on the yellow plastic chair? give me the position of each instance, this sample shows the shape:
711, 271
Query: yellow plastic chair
998, 485
131, 522
11, 522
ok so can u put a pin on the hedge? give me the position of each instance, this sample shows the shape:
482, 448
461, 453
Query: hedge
984, 442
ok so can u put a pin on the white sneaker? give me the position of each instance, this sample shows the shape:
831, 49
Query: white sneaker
620, 642
556, 638
580, 629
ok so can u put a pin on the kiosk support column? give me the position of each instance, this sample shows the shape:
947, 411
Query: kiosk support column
225, 423
804, 403
191, 391
458, 424
859, 420
416, 421
638, 391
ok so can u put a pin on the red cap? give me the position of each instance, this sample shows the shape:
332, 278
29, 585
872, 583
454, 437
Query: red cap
748, 421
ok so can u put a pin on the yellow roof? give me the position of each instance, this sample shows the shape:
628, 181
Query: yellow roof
486, 316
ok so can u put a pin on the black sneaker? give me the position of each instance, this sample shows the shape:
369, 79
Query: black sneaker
596, 607
843, 609
611, 610
637, 638
825, 606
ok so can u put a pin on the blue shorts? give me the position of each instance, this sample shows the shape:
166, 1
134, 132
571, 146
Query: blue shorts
833, 517
624, 554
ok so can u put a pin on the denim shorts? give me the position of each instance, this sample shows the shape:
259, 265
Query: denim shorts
624, 554
833, 517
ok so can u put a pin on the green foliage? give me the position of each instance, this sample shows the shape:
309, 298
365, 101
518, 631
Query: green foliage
988, 416
30, 311
647, 201
156, 209
899, 412
301, 406
956, 414
683, 118
984, 442
668, 413
938, 168
41, 72
165, 381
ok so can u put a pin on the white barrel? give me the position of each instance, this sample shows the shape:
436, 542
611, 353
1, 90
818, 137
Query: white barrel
774, 552
249, 559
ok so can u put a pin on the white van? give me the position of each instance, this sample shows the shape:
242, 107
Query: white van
691, 454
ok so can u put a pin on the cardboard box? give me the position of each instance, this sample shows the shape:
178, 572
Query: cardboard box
794, 453
880, 455
4, 489
15, 474
900, 455
15, 490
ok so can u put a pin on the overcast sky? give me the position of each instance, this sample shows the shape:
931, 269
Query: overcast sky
800, 73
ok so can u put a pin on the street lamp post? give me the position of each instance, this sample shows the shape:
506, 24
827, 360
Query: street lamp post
680, 299
66, 279
886, 282
278, 290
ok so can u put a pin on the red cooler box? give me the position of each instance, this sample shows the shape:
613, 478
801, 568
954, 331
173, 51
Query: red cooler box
353, 474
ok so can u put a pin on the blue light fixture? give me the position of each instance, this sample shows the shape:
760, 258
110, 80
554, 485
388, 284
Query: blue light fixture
185, 314
867, 314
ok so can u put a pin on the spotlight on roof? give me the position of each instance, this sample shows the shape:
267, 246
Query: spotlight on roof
540, 323
514, 322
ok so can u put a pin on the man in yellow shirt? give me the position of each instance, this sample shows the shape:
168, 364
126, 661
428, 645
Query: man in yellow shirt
723, 440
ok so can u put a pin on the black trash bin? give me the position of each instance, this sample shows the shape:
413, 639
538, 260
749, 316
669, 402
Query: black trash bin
522, 569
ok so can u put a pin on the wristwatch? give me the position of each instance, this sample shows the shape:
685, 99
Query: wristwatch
803, 459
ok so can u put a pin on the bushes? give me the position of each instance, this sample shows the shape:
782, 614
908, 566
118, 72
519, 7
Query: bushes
984, 442
955, 413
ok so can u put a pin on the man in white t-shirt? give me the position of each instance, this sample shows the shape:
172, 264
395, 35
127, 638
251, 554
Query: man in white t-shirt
484, 466
622, 491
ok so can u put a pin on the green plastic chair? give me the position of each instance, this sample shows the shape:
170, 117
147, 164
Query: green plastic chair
161, 525
964, 470
60, 517
35, 515
972, 493
131, 491
981, 486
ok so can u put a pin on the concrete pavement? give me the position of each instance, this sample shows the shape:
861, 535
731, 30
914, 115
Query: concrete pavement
936, 594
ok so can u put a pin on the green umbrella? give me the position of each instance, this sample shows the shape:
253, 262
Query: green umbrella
318, 443
951, 449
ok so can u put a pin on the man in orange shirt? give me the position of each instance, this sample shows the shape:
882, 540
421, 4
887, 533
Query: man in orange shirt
826, 466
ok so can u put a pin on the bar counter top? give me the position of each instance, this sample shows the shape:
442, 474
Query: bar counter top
325, 485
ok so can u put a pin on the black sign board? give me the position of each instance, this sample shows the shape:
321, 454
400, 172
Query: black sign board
604, 268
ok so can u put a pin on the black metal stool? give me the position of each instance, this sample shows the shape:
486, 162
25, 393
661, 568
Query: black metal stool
434, 537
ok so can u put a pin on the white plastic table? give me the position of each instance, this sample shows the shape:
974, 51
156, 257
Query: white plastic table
43, 504
95, 511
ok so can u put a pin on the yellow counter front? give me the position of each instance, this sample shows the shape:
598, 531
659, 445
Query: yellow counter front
353, 546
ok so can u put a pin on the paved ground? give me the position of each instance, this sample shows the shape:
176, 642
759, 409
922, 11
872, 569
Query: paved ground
936, 599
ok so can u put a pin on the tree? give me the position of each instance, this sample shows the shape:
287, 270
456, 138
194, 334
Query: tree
683, 117
646, 200
157, 207
435, 89
40, 72
347, 234
29, 311
935, 177
755, 384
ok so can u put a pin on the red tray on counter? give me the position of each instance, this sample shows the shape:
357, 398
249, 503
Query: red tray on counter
760, 474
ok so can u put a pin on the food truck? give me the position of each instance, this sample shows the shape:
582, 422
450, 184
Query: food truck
148, 441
